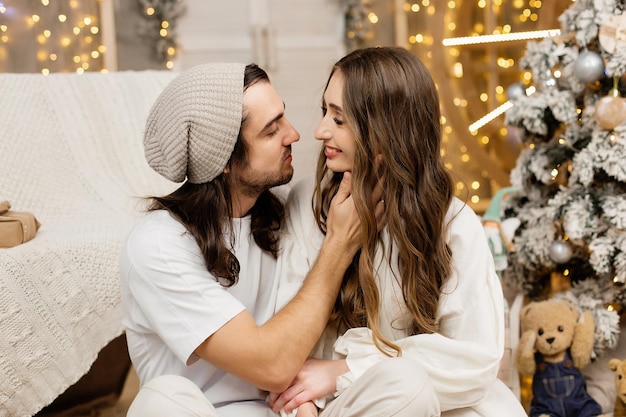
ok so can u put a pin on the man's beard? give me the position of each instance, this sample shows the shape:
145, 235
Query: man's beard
252, 183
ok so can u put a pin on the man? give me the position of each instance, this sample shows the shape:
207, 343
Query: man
197, 273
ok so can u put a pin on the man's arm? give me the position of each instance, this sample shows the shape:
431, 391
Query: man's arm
269, 356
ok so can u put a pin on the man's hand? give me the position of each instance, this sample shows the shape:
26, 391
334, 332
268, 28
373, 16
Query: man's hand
316, 379
343, 221
343, 225
307, 410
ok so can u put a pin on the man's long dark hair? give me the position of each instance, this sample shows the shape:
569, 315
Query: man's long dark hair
206, 210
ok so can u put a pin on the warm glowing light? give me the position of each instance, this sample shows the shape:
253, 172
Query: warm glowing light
554, 173
505, 37
60, 28
163, 32
496, 112
165, 24
150, 11
475, 185
490, 116
484, 140
475, 199
457, 70
484, 97
372, 17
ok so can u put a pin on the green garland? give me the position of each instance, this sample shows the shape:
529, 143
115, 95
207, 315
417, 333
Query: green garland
359, 29
159, 26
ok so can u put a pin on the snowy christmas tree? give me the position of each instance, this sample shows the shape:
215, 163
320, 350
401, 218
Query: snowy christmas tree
571, 174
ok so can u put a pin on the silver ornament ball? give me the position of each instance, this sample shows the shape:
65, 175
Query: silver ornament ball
560, 251
515, 90
589, 67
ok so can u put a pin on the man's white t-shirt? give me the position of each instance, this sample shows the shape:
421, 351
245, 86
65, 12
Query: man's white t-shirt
172, 304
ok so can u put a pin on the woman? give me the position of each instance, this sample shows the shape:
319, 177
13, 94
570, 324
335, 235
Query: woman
424, 288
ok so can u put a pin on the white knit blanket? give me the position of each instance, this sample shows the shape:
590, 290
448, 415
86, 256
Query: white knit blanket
71, 153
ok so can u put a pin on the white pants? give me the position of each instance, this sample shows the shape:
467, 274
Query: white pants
393, 387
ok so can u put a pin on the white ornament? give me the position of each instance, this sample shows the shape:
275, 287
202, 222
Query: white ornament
515, 90
589, 67
560, 251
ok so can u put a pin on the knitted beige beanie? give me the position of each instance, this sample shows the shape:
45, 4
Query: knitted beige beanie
193, 125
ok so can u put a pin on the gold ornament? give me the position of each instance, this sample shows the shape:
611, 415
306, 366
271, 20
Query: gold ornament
610, 111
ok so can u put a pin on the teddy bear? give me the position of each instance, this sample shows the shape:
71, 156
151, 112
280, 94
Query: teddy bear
620, 385
556, 344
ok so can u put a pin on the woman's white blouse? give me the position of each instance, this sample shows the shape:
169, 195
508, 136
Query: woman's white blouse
462, 360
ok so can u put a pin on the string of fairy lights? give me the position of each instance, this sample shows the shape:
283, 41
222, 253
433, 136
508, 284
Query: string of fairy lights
488, 28
65, 35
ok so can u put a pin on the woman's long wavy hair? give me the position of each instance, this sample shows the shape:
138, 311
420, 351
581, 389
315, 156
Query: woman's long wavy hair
391, 104
206, 209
